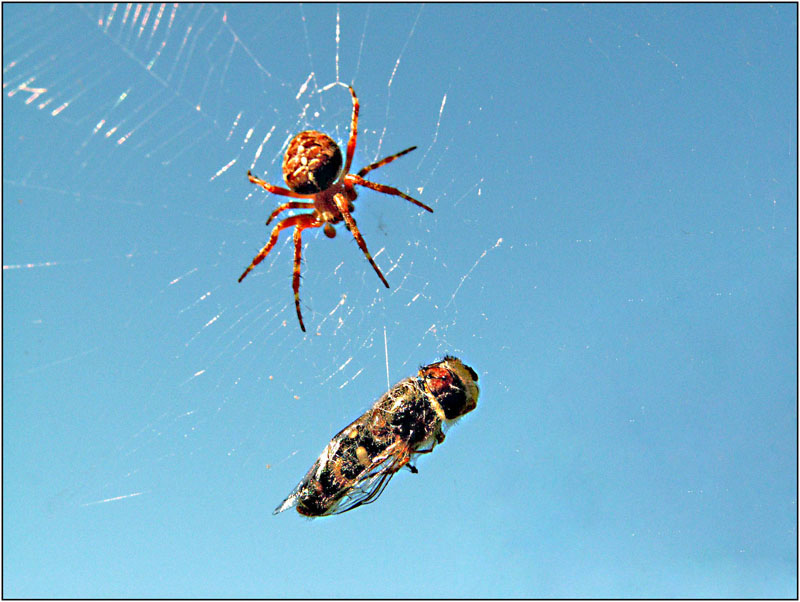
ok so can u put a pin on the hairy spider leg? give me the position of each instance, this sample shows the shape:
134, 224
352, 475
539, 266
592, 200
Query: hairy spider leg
354, 179
351, 143
341, 204
384, 161
289, 205
309, 222
277, 189
273, 238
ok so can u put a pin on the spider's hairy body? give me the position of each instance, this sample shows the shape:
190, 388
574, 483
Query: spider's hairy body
325, 205
312, 162
312, 169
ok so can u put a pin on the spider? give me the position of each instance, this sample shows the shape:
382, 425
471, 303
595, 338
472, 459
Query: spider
312, 168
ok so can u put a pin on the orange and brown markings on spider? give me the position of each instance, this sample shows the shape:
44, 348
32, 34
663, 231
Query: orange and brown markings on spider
405, 422
312, 169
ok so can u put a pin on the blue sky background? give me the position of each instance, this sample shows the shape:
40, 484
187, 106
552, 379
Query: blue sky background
613, 250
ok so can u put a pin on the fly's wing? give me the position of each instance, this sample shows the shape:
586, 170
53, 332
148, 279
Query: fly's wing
370, 485
366, 489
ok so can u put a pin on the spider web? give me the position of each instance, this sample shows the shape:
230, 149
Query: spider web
612, 249
159, 115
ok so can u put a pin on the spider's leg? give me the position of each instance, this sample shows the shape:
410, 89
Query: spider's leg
351, 143
289, 205
341, 204
309, 222
384, 161
273, 238
277, 189
355, 179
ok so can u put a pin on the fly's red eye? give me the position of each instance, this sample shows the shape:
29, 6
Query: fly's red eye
438, 380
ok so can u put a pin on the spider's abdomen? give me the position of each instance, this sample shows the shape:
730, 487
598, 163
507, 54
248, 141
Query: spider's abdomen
312, 162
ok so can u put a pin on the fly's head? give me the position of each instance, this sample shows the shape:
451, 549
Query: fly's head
452, 387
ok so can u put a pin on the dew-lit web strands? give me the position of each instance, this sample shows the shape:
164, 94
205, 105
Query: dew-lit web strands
409, 420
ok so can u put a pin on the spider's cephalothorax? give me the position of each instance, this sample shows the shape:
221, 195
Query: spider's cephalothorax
312, 168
